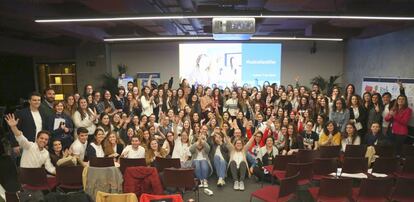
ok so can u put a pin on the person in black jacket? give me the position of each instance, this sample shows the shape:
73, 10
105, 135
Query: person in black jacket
31, 121
358, 115
60, 126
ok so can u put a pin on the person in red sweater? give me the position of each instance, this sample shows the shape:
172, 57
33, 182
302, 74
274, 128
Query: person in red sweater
399, 115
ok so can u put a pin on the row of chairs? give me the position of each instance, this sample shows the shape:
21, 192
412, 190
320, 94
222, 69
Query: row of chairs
340, 189
320, 167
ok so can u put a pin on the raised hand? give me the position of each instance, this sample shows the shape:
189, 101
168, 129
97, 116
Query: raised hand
11, 120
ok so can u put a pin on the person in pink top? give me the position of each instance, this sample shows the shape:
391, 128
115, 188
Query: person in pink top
399, 115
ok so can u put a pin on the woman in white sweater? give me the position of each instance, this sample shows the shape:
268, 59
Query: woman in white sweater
238, 162
85, 117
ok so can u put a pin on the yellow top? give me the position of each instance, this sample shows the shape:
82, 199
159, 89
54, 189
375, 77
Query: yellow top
325, 141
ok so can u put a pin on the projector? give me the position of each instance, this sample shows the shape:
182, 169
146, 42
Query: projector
233, 28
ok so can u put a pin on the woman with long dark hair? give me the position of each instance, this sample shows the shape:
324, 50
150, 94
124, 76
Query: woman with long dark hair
339, 114
358, 115
330, 135
375, 112
106, 105
350, 136
85, 117
294, 142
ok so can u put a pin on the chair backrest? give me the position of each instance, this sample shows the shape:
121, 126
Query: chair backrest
385, 150
408, 166
101, 162
385, 165
329, 151
355, 150
325, 166
281, 161
163, 163
336, 187
305, 170
376, 187
403, 188
125, 163
306, 156
70, 175
355, 165
33, 176
288, 185
408, 151
12, 197
179, 178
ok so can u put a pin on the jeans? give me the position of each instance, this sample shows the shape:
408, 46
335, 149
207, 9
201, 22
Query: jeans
221, 166
251, 159
201, 169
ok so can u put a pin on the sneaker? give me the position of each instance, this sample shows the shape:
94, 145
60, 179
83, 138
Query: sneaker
219, 182
236, 185
241, 186
205, 184
201, 185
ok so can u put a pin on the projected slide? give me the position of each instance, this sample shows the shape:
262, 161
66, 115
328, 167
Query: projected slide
226, 64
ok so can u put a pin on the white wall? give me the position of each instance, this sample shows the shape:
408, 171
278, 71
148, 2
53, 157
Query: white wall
296, 59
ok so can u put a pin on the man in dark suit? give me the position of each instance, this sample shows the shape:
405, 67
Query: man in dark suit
31, 121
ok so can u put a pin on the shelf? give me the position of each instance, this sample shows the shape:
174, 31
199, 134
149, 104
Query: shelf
69, 74
62, 84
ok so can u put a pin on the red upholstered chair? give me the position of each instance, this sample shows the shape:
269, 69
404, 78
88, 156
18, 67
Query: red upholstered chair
69, 177
408, 151
101, 162
162, 163
125, 163
279, 164
36, 179
374, 189
181, 178
12, 197
407, 169
161, 198
385, 151
385, 165
329, 151
305, 170
322, 167
284, 192
333, 190
403, 190
355, 165
355, 150
306, 156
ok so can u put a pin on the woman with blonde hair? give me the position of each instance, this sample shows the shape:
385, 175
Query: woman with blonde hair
112, 145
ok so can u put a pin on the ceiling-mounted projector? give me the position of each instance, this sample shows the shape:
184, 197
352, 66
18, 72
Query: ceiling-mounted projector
233, 28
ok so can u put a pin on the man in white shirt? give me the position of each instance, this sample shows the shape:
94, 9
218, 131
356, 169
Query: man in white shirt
78, 147
133, 151
35, 155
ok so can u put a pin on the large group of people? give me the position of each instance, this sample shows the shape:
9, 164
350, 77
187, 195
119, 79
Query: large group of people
232, 132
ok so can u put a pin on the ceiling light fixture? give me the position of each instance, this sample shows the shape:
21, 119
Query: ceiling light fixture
192, 38
175, 17
264, 38
172, 38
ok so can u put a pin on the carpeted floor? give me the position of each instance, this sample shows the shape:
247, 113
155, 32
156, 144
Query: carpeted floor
227, 194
